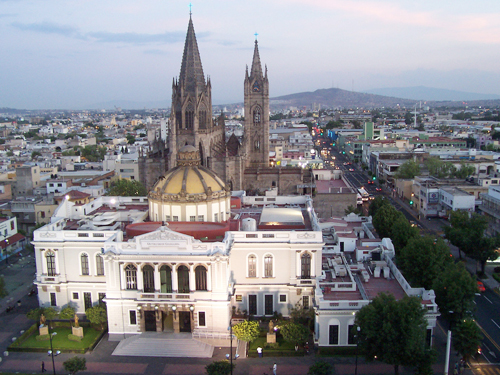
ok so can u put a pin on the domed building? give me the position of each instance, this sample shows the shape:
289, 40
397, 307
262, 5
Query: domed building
189, 192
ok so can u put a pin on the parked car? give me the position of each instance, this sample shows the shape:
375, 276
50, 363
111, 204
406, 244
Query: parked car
481, 287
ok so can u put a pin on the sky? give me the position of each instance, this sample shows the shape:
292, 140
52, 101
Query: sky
72, 54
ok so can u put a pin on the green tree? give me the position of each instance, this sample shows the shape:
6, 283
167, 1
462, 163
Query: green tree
455, 290
320, 368
375, 204
407, 170
423, 260
352, 209
464, 171
130, 139
295, 333
384, 219
35, 154
67, 313
97, 315
3, 289
401, 233
75, 364
219, 368
49, 313
247, 330
393, 331
127, 188
466, 338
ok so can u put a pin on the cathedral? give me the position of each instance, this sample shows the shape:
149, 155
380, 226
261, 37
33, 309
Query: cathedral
242, 166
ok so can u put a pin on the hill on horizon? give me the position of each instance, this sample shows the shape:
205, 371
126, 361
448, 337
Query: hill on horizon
430, 94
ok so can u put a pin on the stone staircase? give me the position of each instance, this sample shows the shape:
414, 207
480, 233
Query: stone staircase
153, 344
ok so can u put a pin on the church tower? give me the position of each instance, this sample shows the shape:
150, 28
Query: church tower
256, 139
191, 120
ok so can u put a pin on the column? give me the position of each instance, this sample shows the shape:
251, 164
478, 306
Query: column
122, 277
209, 277
297, 264
140, 279
192, 279
175, 282
313, 263
157, 278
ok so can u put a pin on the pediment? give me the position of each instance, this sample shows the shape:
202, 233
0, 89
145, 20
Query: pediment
163, 234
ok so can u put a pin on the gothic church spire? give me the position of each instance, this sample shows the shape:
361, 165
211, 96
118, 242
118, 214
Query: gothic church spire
191, 76
256, 71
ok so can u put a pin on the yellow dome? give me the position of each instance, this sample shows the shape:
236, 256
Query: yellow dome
189, 181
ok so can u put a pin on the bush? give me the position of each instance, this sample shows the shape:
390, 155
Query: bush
496, 269
247, 330
320, 368
43, 338
74, 337
496, 277
75, 364
219, 368
273, 345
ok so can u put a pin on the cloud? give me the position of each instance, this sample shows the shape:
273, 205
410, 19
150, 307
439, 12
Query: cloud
130, 38
7, 15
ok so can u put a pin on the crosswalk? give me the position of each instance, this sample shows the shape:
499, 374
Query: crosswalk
486, 369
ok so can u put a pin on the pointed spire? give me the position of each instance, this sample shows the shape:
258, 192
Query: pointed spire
191, 69
256, 66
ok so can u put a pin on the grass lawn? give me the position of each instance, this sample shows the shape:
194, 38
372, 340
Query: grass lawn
262, 341
60, 341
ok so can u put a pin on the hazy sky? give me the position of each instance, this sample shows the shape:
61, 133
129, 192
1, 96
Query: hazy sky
74, 53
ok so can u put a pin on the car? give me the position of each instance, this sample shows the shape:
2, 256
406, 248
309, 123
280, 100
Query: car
351, 170
481, 287
378, 188
370, 182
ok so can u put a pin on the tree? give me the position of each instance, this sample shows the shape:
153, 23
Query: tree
393, 331
67, 313
219, 368
375, 204
352, 209
464, 171
408, 170
455, 290
3, 289
127, 188
294, 333
35, 154
423, 260
383, 220
401, 233
130, 139
75, 364
320, 368
97, 315
466, 338
247, 330
35, 314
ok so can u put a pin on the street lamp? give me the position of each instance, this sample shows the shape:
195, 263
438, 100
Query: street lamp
357, 341
51, 352
6, 251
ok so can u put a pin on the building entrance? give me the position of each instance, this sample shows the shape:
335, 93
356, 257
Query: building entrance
185, 321
150, 321
168, 322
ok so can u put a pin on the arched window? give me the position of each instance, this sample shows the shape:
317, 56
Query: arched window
99, 262
165, 279
200, 274
189, 116
131, 277
252, 266
305, 266
256, 115
84, 260
183, 279
148, 277
268, 266
51, 263
178, 119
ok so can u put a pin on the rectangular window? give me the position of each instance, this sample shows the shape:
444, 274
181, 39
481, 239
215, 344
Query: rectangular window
99, 265
192, 218
87, 299
101, 297
305, 302
201, 319
252, 304
175, 218
167, 218
75, 295
333, 338
268, 266
268, 304
201, 217
283, 298
216, 217
53, 301
252, 266
239, 298
132, 317
351, 335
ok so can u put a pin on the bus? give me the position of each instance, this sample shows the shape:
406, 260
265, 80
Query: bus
363, 193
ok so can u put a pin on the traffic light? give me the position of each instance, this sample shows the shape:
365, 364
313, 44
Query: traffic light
411, 203
374, 178
343, 152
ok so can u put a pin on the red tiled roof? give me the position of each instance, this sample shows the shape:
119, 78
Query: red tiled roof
12, 240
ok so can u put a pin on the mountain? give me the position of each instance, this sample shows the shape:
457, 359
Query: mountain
129, 104
338, 98
430, 93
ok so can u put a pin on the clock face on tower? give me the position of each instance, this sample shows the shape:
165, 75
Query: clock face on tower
256, 87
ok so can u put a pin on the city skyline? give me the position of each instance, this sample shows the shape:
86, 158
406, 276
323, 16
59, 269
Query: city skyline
59, 54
